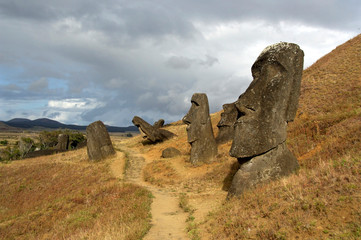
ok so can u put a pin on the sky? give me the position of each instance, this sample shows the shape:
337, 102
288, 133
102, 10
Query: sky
82, 61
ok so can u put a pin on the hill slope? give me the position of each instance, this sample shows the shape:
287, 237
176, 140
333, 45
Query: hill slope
321, 201
329, 115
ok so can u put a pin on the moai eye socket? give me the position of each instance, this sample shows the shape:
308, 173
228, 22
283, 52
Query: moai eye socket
195, 103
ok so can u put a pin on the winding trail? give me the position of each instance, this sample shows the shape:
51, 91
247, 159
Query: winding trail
168, 220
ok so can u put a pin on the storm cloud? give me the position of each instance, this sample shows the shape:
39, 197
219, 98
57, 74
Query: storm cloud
113, 59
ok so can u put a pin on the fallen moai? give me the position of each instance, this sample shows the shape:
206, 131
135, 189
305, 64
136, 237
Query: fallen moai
264, 110
152, 133
199, 130
99, 145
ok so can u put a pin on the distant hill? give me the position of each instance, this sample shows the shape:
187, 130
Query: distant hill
6, 128
45, 123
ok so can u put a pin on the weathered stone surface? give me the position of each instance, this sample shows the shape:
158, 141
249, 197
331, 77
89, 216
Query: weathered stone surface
226, 125
170, 152
159, 123
63, 142
199, 130
270, 101
274, 164
154, 134
264, 110
99, 145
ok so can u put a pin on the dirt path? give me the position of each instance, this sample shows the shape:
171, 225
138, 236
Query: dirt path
168, 220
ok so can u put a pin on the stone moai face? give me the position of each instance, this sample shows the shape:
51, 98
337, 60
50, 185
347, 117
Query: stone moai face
270, 101
226, 125
199, 130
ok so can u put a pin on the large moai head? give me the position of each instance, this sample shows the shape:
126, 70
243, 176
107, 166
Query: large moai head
99, 145
226, 125
270, 101
199, 130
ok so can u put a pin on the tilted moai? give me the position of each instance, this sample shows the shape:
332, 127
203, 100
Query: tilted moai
264, 110
152, 133
226, 125
99, 145
63, 142
199, 130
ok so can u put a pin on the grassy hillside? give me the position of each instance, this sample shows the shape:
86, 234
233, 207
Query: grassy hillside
63, 196
321, 201
328, 124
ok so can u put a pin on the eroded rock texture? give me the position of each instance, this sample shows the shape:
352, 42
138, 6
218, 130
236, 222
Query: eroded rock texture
99, 145
152, 133
264, 110
226, 124
199, 130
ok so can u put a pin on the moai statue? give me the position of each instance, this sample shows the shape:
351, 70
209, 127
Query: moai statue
99, 145
199, 130
63, 142
159, 123
226, 125
264, 110
152, 133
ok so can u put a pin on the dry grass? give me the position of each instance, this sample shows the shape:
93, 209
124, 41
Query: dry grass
70, 198
324, 200
315, 204
64, 196
329, 115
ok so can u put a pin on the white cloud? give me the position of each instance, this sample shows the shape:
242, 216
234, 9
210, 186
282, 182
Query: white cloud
75, 104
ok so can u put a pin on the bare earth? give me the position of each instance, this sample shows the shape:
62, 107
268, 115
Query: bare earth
168, 220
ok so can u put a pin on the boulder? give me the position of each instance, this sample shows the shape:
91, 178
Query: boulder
199, 130
99, 145
170, 152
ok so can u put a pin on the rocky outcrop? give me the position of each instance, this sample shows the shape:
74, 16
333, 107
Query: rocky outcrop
152, 133
99, 145
199, 130
264, 110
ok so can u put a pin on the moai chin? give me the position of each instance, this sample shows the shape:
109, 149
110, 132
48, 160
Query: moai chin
264, 110
199, 130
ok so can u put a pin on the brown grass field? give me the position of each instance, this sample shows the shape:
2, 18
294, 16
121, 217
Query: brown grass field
65, 197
